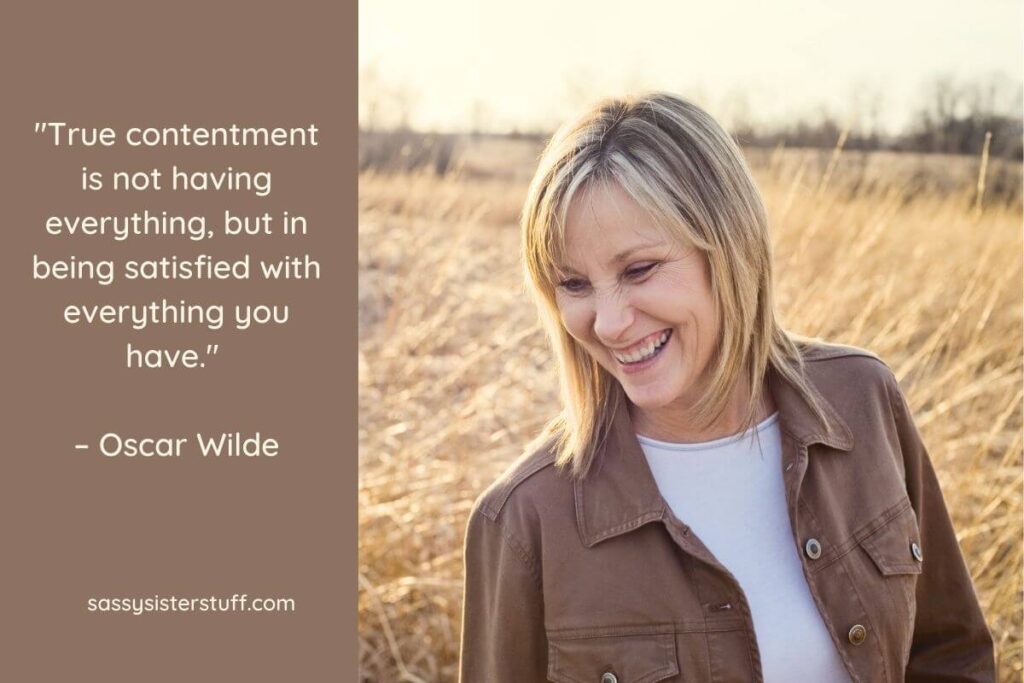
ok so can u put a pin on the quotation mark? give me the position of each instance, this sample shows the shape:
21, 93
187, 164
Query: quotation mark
211, 350
41, 127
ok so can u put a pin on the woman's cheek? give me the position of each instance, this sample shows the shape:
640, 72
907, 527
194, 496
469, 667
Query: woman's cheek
574, 319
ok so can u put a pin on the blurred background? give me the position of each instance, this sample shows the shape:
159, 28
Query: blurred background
886, 139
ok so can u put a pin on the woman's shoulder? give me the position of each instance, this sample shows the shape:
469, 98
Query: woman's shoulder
817, 350
532, 486
856, 384
842, 368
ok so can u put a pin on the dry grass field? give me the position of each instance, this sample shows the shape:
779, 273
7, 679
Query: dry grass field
888, 252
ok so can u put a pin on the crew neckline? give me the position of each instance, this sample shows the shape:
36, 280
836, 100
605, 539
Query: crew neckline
715, 443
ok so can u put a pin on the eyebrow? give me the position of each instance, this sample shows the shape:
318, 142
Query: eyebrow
622, 256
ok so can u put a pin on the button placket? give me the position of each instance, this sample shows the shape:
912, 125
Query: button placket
832, 596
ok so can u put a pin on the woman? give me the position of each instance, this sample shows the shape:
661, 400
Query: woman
718, 501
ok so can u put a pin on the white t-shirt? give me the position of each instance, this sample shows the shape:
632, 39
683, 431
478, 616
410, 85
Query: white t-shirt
732, 495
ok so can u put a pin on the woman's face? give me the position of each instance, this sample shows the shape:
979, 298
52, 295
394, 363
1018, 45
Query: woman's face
640, 304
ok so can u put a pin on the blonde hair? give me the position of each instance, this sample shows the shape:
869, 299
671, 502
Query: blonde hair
678, 164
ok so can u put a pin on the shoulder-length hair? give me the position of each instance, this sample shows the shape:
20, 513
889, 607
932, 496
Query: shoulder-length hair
677, 163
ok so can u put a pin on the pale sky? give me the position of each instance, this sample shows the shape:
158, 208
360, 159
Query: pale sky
531, 63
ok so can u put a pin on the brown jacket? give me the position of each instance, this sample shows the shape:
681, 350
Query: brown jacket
596, 581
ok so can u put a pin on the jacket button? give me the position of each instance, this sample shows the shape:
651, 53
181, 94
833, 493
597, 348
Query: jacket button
915, 549
812, 548
609, 677
858, 634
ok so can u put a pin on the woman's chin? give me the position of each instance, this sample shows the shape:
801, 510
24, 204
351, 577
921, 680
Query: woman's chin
647, 398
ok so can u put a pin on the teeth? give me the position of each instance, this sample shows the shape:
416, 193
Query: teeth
644, 352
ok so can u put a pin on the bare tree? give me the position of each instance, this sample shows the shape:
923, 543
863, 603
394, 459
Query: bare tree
480, 116
370, 95
404, 97
955, 117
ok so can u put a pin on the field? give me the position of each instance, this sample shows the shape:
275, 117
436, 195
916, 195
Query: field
895, 253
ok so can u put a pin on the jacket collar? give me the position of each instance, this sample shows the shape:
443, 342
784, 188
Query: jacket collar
619, 493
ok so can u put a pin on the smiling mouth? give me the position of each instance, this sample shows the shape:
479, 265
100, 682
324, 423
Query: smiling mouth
646, 352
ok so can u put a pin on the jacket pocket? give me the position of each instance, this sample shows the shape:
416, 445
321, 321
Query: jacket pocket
642, 654
895, 547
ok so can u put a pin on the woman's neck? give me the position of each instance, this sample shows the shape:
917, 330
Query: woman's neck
675, 423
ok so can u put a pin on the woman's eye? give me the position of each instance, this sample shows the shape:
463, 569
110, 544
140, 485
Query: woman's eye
573, 285
640, 272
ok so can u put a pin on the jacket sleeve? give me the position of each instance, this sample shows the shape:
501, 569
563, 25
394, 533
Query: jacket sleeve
951, 640
503, 636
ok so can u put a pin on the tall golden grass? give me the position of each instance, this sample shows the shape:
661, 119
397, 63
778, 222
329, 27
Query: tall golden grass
455, 375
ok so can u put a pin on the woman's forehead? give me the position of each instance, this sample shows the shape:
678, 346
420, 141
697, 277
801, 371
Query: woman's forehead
605, 206
604, 223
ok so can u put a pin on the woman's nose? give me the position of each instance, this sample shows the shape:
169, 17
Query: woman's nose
612, 317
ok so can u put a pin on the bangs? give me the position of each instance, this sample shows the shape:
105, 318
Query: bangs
547, 253
656, 195
648, 159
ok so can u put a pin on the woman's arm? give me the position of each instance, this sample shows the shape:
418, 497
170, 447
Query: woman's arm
503, 636
951, 640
